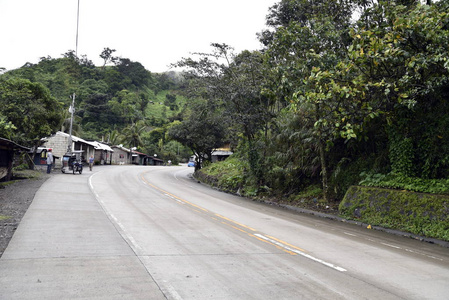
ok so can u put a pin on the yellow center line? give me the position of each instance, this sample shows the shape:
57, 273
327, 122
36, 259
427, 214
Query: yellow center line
285, 243
170, 194
232, 221
277, 246
282, 245
224, 218
260, 239
235, 227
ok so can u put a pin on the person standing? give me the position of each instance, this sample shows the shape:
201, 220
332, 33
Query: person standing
49, 160
91, 162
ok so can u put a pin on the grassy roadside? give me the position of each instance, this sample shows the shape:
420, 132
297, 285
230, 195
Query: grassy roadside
423, 214
232, 176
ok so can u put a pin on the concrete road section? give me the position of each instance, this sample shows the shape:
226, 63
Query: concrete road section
134, 232
66, 247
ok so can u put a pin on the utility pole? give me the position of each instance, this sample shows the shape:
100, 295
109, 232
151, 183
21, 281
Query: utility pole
72, 106
72, 111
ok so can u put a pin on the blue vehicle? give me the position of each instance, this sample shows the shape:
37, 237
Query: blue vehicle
191, 164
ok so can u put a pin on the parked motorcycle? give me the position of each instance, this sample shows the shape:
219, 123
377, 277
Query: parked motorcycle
77, 167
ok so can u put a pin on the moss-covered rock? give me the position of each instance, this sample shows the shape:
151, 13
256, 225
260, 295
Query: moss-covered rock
417, 213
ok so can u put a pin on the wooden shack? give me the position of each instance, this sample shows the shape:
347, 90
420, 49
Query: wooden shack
7, 151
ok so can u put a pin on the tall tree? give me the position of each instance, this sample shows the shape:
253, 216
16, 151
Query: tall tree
202, 131
233, 83
107, 57
309, 37
30, 108
126, 105
402, 66
303, 12
134, 73
132, 134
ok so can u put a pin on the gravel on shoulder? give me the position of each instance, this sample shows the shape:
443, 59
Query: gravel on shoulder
15, 198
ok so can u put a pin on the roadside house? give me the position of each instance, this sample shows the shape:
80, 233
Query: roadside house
139, 158
222, 153
103, 153
59, 143
7, 151
153, 161
124, 156
120, 156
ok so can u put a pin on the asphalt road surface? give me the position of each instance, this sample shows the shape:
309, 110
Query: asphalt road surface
133, 232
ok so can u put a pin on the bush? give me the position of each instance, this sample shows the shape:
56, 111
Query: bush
399, 181
421, 214
229, 175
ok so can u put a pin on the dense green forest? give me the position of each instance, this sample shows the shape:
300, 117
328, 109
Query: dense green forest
120, 103
341, 92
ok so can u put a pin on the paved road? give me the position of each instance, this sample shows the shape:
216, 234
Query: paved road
132, 232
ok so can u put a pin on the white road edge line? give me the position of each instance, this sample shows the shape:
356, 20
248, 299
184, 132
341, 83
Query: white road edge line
392, 246
170, 290
131, 241
301, 253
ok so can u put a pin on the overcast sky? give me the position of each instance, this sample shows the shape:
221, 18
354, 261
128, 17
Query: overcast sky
152, 32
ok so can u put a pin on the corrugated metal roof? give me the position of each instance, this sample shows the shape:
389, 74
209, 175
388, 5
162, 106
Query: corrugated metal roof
95, 144
13, 144
102, 146
222, 153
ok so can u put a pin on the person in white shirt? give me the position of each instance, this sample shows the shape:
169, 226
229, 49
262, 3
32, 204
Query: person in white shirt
49, 161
